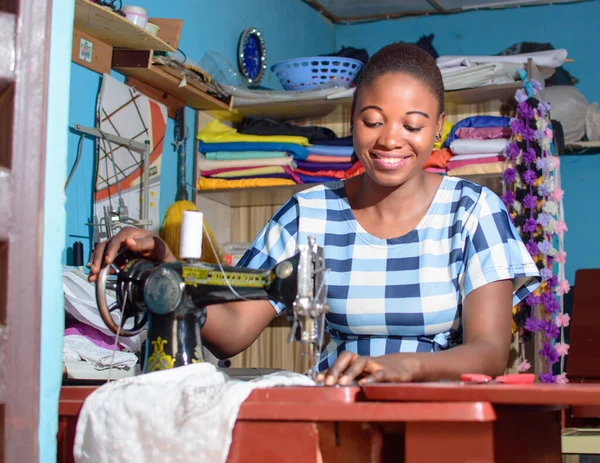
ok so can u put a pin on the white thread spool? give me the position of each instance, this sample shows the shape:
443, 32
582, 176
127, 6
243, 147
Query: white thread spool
190, 240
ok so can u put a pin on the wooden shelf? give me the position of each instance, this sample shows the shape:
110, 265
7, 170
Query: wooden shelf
113, 29
277, 195
503, 92
138, 64
290, 110
299, 109
257, 196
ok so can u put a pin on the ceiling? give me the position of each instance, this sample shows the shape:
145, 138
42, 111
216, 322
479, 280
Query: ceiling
349, 11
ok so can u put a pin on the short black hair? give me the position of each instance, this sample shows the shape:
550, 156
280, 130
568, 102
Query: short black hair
404, 58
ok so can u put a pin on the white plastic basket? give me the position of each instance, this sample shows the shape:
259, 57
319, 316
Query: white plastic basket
314, 71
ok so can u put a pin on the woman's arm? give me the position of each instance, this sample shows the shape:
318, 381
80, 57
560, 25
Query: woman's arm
232, 327
487, 321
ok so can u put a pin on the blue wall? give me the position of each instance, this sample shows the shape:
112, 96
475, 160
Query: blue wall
489, 32
52, 324
291, 29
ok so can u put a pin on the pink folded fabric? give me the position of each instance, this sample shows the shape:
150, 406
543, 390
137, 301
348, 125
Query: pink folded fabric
483, 133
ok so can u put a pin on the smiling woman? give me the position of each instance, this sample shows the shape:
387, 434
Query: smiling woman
424, 270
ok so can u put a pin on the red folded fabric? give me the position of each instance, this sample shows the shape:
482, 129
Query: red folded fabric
456, 164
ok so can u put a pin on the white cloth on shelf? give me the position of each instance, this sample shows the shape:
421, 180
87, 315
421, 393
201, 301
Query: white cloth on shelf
471, 157
549, 58
479, 75
494, 146
179, 415
80, 303
77, 347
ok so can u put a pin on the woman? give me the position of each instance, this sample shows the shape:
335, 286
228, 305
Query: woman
418, 263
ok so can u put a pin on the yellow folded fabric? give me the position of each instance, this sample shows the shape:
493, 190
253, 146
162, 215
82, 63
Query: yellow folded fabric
445, 132
215, 132
217, 183
478, 169
254, 172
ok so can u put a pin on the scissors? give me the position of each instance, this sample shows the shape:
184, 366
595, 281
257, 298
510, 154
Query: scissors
515, 378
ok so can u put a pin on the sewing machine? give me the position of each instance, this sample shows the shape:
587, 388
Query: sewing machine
171, 298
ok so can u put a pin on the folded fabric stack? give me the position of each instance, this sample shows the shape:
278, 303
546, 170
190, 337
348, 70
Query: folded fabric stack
459, 72
477, 143
329, 159
440, 156
263, 152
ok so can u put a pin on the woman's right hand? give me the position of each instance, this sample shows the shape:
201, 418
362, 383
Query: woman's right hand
143, 242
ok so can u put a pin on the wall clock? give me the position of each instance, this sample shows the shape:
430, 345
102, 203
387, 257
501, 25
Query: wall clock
252, 56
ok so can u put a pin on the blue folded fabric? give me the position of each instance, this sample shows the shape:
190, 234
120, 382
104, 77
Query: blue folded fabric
311, 179
476, 121
296, 151
324, 150
317, 166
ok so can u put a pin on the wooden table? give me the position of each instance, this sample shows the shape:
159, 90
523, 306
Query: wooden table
448, 422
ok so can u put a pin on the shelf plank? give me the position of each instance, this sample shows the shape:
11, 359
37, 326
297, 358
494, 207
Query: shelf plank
278, 195
137, 64
114, 29
299, 109
290, 110
503, 92
256, 196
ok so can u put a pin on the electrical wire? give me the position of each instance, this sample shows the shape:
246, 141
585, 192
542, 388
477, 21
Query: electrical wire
74, 168
184, 55
221, 266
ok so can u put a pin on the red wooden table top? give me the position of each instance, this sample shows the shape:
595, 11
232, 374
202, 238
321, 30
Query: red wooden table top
514, 394
444, 401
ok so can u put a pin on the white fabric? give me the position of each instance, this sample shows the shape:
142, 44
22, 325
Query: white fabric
495, 146
80, 302
549, 58
471, 157
180, 415
577, 117
77, 347
479, 75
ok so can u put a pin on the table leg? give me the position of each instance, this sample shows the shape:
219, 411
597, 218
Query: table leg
528, 434
450, 442
274, 441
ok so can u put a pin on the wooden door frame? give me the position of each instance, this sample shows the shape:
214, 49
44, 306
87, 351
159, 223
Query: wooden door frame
21, 224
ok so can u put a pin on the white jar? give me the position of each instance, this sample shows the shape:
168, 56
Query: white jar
137, 15
152, 29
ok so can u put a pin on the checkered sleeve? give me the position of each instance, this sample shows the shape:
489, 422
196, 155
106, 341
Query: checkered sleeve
275, 242
494, 250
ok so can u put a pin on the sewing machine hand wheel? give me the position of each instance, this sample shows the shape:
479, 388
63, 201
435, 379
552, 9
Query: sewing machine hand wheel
116, 314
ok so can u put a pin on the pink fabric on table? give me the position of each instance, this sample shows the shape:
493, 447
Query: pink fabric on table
456, 164
483, 133
97, 337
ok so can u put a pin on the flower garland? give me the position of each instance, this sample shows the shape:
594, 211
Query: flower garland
533, 197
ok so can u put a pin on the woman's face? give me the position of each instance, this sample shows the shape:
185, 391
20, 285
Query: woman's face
395, 124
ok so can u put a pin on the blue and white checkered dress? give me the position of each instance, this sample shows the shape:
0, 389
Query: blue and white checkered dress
403, 294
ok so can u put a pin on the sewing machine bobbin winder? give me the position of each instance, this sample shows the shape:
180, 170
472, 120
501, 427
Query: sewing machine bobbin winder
171, 298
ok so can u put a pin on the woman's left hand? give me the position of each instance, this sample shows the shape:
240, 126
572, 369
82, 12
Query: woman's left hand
386, 369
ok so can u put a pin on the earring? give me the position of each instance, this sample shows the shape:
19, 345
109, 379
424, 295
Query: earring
438, 137
351, 127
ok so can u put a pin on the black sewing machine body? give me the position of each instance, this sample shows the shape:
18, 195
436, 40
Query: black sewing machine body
171, 300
